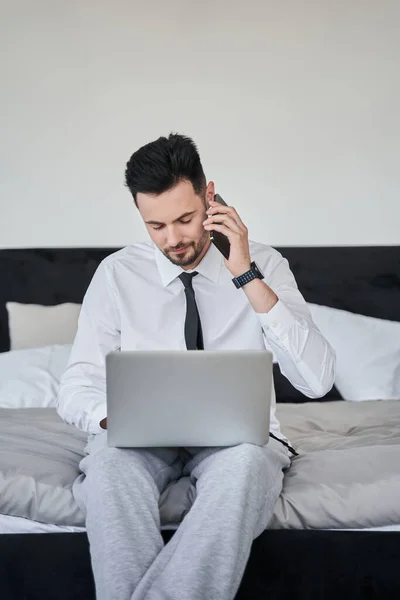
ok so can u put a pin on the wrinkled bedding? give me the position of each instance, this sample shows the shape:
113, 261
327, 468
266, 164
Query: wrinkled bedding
348, 471
347, 474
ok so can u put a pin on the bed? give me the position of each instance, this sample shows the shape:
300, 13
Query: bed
312, 549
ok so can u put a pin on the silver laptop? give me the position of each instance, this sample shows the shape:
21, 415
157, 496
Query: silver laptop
188, 398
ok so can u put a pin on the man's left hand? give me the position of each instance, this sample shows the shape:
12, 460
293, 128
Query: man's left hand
226, 220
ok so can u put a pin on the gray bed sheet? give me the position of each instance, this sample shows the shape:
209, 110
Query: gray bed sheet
347, 474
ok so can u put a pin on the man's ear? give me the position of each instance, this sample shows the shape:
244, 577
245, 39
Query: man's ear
210, 193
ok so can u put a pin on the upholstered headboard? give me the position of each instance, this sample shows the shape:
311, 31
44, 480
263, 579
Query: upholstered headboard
364, 280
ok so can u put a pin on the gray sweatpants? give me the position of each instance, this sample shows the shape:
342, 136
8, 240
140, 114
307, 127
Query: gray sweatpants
119, 489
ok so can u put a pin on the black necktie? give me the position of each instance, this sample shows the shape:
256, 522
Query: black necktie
193, 332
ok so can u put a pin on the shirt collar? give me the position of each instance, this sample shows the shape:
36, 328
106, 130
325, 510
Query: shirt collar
209, 266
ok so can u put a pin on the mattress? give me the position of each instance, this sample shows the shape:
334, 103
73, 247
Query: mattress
10, 524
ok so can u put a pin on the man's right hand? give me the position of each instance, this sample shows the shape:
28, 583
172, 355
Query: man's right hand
103, 423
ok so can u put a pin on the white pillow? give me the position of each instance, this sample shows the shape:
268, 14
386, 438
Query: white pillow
30, 378
367, 353
34, 325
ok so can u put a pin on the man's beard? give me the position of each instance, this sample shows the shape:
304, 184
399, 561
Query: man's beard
192, 253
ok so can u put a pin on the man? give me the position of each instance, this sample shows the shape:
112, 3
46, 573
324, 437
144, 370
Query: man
137, 300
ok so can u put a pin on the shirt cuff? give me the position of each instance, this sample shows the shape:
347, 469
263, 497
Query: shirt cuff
278, 320
97, 415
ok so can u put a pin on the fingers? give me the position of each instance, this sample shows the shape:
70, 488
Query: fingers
225, 219
223, 229
217, 208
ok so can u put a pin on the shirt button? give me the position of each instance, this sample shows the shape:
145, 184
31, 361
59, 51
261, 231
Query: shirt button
275, 324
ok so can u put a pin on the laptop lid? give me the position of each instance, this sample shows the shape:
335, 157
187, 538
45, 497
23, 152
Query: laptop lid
188, 398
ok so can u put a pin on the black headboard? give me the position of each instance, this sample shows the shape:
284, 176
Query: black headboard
363, 279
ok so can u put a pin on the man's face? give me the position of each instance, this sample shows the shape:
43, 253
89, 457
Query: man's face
174, 222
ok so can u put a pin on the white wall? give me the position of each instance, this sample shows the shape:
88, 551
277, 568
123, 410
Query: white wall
294, 106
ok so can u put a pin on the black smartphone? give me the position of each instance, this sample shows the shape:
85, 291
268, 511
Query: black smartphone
220, 240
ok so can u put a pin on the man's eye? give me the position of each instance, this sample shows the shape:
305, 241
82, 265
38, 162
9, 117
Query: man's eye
161, 226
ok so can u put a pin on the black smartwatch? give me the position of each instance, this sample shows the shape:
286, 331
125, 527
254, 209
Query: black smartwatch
254, 273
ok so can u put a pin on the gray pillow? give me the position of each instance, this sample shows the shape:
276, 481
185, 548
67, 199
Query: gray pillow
34, 325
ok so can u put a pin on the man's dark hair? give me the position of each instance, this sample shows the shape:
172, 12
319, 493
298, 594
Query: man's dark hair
160, 165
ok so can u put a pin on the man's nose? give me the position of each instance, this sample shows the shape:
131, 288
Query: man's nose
173, 237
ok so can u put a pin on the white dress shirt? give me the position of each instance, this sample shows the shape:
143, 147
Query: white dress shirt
136, 301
